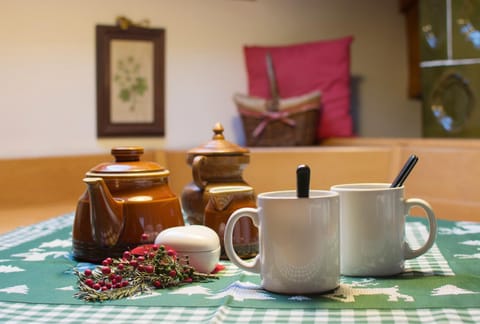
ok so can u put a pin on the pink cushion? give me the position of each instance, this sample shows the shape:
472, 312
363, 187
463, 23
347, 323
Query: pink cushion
302, 68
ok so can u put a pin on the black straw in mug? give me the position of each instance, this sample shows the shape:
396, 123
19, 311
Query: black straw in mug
303, 181
407, 168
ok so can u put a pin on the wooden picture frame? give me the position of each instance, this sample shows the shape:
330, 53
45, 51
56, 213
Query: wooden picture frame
130, 81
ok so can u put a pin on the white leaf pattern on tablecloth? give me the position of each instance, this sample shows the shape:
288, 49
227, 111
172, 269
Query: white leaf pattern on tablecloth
56, 243
36, 255
191, 290
10, 268
471, 242
145, 295
67, 288
451, 290
241, 291
20, 289
347, 293
467, 256
461, 228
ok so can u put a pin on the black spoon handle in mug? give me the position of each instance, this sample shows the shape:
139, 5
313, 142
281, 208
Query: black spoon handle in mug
407, 168
303, 181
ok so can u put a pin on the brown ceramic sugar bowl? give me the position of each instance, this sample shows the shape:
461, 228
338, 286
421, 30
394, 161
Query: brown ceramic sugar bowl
127, 203
222, 202
215, 163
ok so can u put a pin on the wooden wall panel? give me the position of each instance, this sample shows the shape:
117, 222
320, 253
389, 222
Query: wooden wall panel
446, 175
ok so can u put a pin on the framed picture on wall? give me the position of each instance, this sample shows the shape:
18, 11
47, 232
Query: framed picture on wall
130, 81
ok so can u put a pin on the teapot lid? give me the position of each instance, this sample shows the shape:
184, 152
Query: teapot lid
127, 162
218, 145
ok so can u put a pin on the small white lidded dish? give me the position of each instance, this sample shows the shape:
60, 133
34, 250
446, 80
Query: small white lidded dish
200, 243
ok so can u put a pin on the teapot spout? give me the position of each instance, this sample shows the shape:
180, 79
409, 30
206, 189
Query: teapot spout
106, 213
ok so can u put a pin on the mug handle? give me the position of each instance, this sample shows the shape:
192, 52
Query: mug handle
252, 266
409, 253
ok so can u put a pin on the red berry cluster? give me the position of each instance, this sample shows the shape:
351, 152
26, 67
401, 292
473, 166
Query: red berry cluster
139, 270
109, 280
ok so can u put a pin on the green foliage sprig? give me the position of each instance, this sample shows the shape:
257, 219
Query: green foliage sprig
156, 268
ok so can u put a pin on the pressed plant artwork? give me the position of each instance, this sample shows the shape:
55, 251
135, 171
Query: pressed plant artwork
130, 81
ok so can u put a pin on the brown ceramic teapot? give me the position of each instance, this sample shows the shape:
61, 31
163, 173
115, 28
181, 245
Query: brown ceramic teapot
127, 203
216, 163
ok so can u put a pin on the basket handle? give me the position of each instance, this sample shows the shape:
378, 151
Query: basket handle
272, 105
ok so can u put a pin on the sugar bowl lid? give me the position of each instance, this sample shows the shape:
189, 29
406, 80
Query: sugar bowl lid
127, 163
218, 145
192, 238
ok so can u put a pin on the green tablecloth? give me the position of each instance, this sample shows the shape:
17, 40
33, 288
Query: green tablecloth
37, 281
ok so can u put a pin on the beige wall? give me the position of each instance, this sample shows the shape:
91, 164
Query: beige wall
47, 79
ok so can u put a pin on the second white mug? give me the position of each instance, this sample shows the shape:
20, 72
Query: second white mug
372, 229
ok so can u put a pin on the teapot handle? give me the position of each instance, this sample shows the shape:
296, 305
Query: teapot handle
197, 164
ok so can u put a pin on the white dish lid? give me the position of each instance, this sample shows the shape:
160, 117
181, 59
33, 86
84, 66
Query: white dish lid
190, 238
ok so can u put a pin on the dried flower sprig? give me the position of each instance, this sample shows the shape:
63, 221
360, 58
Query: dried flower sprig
155, 267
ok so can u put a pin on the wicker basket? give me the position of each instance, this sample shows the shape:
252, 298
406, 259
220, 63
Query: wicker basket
279, 122
294, 123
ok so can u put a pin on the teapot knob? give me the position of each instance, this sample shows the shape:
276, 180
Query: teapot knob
218, 130
127, 153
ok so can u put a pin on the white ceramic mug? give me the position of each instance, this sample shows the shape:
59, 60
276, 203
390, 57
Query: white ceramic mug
372, 229
298, 241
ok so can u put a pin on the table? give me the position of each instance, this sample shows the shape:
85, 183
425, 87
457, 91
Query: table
37, 284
